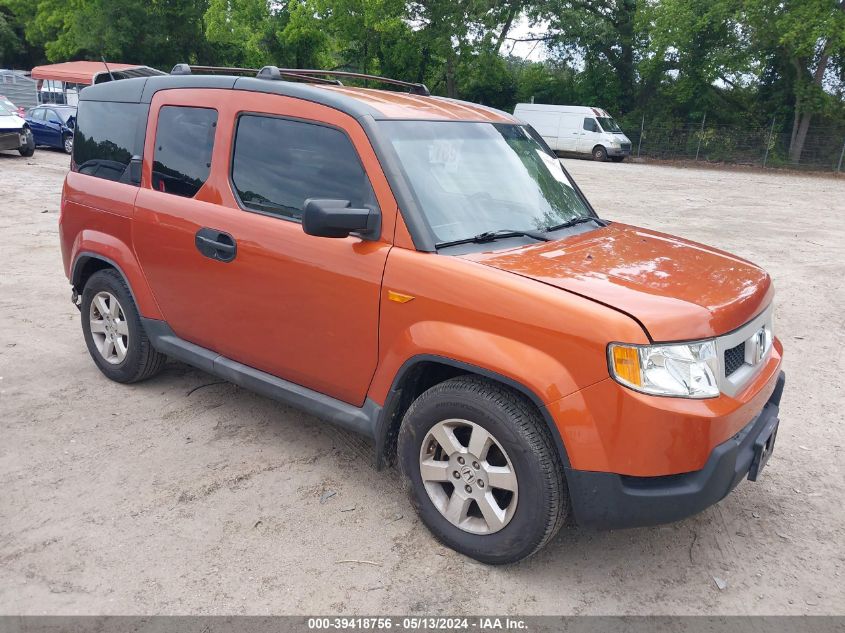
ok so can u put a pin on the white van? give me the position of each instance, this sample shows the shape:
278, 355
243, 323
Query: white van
576, 130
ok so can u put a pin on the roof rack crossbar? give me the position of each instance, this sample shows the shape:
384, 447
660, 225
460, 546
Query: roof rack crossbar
263, 73
303, 74
413, 88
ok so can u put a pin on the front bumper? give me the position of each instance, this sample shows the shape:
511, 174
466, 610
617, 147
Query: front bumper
607, 500
11, 139
619, 151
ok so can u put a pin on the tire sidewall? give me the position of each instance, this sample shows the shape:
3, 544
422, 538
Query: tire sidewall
520, 536
65, 139
126, 370
600, 154
29, 149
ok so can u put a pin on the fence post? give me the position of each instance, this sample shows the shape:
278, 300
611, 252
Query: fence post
640, 142
700, 133
841, 156
769, 142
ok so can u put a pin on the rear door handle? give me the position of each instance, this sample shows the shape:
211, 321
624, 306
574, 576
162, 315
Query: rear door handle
216, 244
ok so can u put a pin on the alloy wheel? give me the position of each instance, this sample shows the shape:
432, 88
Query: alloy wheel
468, 476
109, 329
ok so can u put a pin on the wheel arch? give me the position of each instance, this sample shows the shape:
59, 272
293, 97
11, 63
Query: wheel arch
94, 250
423, 371
86, 264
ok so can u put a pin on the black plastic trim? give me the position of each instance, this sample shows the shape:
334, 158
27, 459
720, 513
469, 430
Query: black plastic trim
79, 264
361, 420
609, 501
415, 222
382, 427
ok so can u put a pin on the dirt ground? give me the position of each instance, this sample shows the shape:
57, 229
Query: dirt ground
156, 498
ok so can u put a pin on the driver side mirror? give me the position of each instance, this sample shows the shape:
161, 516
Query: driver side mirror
336, 218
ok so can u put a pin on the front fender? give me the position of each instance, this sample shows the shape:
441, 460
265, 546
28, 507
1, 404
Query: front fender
538, 372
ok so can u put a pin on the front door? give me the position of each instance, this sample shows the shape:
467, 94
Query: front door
52, 128
218, 233
590, 135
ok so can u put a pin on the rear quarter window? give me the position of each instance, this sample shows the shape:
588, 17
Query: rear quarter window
106, 137
183, 148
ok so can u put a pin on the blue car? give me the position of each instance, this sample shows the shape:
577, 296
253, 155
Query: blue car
53, 125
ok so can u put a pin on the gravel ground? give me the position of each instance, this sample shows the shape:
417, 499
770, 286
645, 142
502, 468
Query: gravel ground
156, 498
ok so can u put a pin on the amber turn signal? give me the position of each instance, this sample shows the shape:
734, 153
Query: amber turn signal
626, 364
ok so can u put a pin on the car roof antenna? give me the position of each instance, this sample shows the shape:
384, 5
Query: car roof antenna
103, 57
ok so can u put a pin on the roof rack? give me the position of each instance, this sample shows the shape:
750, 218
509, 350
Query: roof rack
301, 74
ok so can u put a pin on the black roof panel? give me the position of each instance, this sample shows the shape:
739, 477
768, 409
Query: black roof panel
142, 90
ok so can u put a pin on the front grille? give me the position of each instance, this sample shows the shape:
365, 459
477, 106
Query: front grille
626, 146
734, 358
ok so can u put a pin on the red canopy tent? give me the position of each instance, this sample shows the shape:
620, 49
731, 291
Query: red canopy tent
87, 73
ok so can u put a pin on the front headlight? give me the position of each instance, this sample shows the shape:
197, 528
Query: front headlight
687, 370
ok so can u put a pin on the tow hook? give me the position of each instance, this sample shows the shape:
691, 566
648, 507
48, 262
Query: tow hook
74, 298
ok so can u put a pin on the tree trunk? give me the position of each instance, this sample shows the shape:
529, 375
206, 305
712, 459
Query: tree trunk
625, 60
451, 85
515, 6
796, 147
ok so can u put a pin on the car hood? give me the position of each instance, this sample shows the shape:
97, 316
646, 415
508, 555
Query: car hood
11, 122
677, 289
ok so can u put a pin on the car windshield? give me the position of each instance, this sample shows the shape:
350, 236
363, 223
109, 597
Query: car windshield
65, 114
609, 125
470, 178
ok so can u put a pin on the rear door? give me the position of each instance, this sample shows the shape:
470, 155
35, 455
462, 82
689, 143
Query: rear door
569, 132
545, 123
36, 124
299, 307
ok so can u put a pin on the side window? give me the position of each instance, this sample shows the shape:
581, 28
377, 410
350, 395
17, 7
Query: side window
590, 125
184, 143
52, 117
38, 114
107, 136
278, 164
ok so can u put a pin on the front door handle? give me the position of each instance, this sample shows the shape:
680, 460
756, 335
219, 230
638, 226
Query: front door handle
216, 244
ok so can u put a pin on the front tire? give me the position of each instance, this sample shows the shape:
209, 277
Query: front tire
599, 154
28, 148
67, 143
482, 470
113, 332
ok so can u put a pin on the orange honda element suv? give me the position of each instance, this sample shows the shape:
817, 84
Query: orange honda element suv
425, 272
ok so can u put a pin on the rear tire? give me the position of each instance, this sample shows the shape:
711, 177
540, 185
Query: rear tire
475, 512
113, 332
599, 154
28, 149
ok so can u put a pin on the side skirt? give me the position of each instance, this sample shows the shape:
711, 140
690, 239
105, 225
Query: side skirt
361, 420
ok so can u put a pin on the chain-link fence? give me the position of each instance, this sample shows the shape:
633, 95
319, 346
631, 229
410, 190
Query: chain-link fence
823, 150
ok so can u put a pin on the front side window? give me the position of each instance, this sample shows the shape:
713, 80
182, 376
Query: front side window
183, 148
279, 163
52, 117
469, 178
107, 136
590, 125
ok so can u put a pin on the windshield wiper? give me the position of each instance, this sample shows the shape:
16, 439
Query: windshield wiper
490, 236
574, 221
